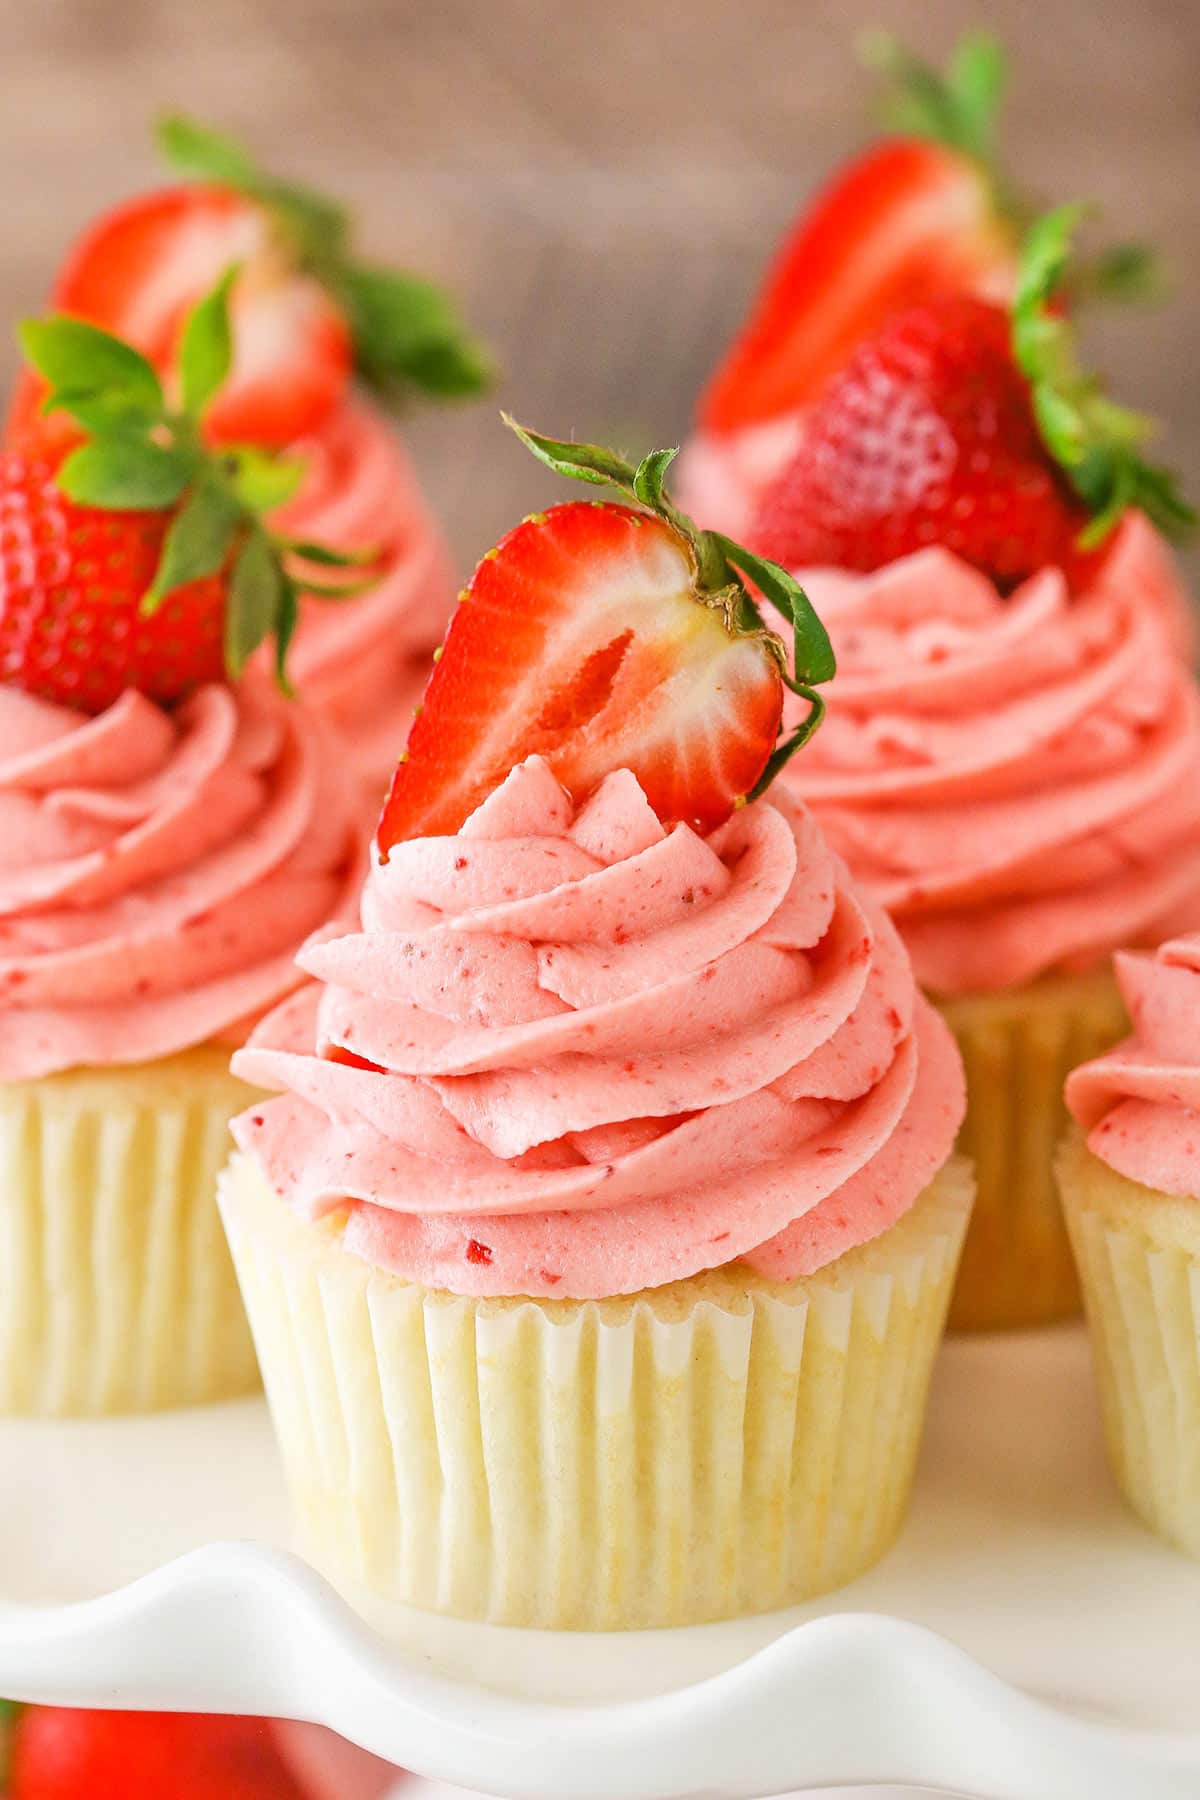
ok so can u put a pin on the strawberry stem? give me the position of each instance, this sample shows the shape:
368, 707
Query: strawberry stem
784, 751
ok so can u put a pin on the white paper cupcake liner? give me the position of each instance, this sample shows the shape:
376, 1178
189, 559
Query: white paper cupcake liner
1139, 1263
718, 1447
117, 1293
1018, 1048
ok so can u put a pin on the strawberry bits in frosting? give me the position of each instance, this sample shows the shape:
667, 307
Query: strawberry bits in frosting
1014, 778
572, 1053
158, 870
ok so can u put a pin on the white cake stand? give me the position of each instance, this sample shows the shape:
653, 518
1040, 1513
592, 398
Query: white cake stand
1025, 1641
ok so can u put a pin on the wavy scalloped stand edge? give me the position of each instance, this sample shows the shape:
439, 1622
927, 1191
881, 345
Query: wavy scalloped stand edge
882, 1700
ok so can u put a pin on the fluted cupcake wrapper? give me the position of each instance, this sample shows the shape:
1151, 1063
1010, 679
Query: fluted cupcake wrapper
721, 1446
1018, 1046
117, 1293
1139, 1263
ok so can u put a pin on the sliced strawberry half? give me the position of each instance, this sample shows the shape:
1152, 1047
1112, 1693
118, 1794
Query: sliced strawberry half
140, 271
583, 637
605, 638
909, 220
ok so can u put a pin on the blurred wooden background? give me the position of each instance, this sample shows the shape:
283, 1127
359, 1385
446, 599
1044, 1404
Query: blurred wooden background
601, 182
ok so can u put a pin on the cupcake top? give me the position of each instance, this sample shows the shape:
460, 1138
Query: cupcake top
1012, 776
573, 1053
158, 868
612, 1018
1140, 1104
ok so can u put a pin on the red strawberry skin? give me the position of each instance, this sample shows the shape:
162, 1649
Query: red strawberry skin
927, 436
909, 220
139, 271
581, 638
59, 1754
71, 583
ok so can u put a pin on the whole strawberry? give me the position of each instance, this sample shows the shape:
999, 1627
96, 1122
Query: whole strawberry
964, 425
61, 1754
72, 582
142, 559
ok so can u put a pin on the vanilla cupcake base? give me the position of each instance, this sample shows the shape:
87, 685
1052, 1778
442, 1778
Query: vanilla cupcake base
1139, 1263
1018, 1047
722, 1446
117, 1293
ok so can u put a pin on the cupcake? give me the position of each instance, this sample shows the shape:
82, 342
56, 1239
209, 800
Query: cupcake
1130, 1179
598, 1241
316, 333
1010, 763
169, 840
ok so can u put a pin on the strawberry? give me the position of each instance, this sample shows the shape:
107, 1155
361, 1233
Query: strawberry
142, 559
920, 215
56, 640
60, 1754
306, 314
968, 426
603, 637
915, 216
906, 221
139, 272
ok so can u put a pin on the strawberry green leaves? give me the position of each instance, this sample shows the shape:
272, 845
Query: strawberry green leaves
723, 570
813, 653
959, 107
79, 360
206, 348
407, 334
143, 455
1097, 442
813, 660
124, 472
206, 155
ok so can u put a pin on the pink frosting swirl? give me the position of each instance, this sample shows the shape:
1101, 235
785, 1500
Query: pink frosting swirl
158, 870
1014, 779
1140, 1104
592, 1056
364, 662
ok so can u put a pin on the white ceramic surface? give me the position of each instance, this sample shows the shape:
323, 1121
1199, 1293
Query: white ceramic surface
1025, 1640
